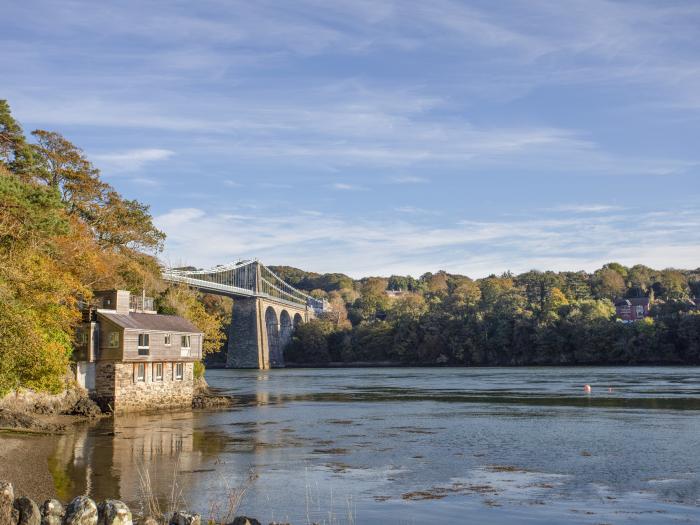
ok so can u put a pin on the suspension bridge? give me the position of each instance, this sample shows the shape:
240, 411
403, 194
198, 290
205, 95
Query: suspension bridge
265, 309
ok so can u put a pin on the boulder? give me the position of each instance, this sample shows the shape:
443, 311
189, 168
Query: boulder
84, 406
185, 518
28, 512
52, 512
81, 511
7, 499
113, 512
244, 520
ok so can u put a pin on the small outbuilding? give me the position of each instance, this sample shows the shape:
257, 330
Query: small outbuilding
131, 358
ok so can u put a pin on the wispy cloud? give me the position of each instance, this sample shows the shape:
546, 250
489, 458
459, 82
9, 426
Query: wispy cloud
342, 186
567, 113
130, 160
585, 208
366, 247
409, 179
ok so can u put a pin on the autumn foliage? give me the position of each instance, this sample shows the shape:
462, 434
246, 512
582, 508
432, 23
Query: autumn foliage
64, 233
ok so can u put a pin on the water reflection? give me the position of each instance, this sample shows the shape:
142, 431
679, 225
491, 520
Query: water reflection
401, 445
110, 458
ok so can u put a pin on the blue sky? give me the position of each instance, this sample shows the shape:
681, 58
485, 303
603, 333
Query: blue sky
379, 137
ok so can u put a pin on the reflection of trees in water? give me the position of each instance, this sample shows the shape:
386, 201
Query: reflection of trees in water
81, 464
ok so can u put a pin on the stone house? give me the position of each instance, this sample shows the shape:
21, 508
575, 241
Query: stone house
130, 358
632, 309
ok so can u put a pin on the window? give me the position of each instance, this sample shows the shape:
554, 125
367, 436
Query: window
140, 372
158, 372
185, 341
143, 344
640, 310
167, 339
179, 367
113, 339
81, 337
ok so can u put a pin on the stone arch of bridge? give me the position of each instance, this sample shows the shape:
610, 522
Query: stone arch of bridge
273, 335
286, 330
298, 319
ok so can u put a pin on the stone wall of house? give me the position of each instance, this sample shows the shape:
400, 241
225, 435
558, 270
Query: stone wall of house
117, 388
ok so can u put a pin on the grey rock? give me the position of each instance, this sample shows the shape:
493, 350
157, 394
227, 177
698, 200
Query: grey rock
28, 512
52, 512
81, 511
185, 518
244, 520
113, 512
7, 499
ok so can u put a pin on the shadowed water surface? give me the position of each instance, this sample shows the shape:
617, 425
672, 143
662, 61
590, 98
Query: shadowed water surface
488, 445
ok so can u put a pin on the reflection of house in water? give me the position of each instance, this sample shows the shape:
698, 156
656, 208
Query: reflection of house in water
107, 460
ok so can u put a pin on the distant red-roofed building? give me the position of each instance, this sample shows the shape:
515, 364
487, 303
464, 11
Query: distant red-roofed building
632, 309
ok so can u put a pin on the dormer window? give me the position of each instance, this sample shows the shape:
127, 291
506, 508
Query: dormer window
143, 346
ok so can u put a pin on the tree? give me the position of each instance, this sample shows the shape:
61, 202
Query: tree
671, 285
608, 284
15, 153
639, 279
310, 342
186, 302
37, 293
119, 224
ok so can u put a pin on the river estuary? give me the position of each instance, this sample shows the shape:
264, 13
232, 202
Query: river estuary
401, 445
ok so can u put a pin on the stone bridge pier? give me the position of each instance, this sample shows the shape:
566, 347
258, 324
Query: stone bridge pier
260, 330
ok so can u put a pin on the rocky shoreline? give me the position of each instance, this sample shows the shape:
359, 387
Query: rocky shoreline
32, 412
84, 511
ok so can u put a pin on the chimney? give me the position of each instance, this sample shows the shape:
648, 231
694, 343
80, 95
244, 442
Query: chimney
122, 302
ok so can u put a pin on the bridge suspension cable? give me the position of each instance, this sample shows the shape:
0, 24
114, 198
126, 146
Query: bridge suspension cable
244, 278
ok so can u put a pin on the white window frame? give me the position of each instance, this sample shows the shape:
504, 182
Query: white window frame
156, 376
140, 347
113, 340
138, 377
185, 350
167, 339
181, 375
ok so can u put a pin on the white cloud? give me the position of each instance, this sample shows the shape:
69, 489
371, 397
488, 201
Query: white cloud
130, 160
585, 208
363, 247
409, 179
342, 186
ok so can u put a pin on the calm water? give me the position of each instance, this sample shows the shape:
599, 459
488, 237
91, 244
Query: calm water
485, 445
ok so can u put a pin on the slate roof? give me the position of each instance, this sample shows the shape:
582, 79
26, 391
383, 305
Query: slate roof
142, 321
